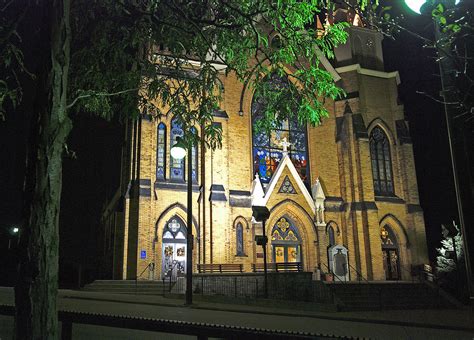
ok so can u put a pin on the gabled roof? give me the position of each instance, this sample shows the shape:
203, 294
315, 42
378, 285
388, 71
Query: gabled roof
261, 199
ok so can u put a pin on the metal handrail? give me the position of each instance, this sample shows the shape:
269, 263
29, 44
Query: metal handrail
333, 275
359, 274
170, 277
138, 276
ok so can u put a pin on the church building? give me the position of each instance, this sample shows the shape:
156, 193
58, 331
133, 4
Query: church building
344, 189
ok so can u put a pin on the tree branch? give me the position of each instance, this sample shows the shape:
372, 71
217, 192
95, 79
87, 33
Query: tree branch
99, 94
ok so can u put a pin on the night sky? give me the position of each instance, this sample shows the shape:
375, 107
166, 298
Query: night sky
93, 175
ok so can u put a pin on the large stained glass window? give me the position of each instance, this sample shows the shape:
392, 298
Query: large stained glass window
267, 148
176, 165
381, 163
239, 235
160, 152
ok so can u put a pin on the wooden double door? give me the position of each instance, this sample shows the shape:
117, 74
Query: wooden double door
391, 263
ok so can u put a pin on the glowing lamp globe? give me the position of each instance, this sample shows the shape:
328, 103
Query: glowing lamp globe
15, 230
415, 5
178, 151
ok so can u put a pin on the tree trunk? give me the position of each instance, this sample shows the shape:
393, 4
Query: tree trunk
36, 290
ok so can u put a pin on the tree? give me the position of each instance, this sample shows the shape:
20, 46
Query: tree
450, 261
133, 57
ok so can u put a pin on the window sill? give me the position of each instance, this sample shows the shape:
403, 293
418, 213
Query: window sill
243, 255
175, 185
389, 199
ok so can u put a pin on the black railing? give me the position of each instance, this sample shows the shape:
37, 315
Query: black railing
149, 266
200, 330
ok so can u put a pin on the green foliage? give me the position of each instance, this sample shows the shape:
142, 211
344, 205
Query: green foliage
132, 57
445, 261
11, 60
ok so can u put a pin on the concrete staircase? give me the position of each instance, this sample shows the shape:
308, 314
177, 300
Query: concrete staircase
386, 295
143, 287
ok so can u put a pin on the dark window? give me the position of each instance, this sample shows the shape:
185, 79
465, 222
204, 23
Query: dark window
331, 238
381, 163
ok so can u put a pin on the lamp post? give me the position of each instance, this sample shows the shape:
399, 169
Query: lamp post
448, 86
261, 214
15, 232
178, 151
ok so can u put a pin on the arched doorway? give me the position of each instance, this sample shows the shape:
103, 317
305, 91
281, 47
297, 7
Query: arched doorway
286, 242
391, 253
174, 248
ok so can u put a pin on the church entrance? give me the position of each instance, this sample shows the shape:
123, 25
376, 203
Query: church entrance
286, 243
174, 248
390, 252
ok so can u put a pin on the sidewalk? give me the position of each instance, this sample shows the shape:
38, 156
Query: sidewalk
432, 318
413, 324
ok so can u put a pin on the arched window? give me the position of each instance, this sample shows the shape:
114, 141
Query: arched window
160, 152
286, 242
194, 156
267, 149
176, 165
381, 163
331, 237
239, 235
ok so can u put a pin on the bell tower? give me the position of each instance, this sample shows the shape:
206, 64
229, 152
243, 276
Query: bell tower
363, 46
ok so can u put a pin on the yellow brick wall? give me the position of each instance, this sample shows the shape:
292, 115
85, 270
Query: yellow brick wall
343, 167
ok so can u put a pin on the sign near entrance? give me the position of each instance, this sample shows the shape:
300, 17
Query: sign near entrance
143, 254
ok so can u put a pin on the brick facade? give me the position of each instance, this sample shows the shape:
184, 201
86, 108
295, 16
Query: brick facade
339, 156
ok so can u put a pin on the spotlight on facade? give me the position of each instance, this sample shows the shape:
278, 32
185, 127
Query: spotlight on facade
15, 230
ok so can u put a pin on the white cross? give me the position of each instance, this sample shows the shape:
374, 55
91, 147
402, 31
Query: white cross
285, 145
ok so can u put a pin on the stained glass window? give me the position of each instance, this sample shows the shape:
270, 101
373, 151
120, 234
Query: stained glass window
267, 149
160, 152
286, 241
388, 237
194, 156
239, 233
381, 163
176, 165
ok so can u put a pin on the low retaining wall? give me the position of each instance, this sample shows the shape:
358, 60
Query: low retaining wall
282, 286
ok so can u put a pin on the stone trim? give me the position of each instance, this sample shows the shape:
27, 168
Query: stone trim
176, 186
390, 199
414, 208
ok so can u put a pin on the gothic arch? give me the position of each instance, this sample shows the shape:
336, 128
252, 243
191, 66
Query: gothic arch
335, 229
397, 228
384, 126
304, 224
242, 220
298, 206
175, 209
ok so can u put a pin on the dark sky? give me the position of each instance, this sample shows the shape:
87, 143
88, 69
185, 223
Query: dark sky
92, 176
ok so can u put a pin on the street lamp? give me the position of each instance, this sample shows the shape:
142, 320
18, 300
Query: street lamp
178, 151
447, 73
261, 214
14, 231
416, 5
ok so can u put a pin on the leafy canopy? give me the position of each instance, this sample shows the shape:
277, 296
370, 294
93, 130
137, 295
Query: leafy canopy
142, 51
129, 57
